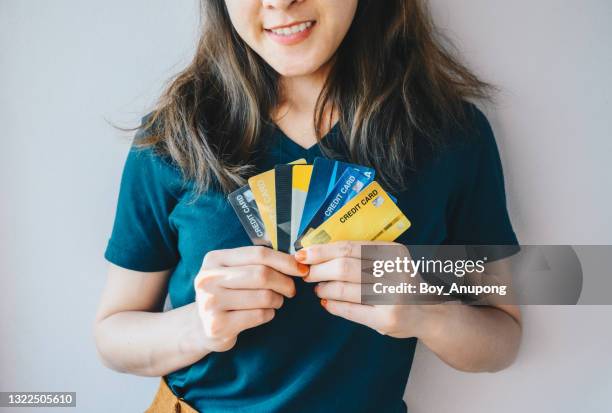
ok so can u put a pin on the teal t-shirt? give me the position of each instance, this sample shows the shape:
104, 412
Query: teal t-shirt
305, 359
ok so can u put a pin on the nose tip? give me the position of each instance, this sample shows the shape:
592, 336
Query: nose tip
279, 4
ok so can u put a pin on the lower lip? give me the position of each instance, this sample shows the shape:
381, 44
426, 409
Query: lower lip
292, 38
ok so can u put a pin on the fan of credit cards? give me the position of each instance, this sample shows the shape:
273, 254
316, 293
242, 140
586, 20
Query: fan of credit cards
297, 205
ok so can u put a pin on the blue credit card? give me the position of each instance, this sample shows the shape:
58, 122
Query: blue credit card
347, 187
325, 175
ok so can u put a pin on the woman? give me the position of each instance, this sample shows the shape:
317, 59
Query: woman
252, 328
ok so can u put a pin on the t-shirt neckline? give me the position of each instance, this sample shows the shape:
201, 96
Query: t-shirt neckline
294, 147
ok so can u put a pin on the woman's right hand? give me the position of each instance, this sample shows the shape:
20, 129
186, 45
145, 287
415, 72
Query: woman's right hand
241, 288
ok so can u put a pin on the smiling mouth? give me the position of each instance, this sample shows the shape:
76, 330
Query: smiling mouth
291, 30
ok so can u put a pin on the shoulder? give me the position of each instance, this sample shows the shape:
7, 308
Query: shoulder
479, 134
472, 135
475, 127
470, 149
148, 149
150, 168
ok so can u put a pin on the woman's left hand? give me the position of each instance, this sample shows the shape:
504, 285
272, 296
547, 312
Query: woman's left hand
336, 268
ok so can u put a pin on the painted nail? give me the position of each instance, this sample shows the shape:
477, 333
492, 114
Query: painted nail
300, 255
303, 268
323, 302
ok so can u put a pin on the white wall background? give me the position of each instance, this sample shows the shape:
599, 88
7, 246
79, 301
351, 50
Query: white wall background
67, 65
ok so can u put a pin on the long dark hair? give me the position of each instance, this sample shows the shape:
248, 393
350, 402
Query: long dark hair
393, 80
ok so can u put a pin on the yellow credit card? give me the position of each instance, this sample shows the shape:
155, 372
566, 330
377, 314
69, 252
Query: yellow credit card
299, 190
301, 177
369, 216
264, 192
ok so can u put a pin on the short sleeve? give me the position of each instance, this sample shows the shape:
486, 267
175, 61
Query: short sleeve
479, 214
142, 237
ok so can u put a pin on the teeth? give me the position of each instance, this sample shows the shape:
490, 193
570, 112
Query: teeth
288, 31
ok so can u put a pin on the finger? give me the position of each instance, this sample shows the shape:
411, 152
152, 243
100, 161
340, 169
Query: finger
337, 269
339, 291
228, 299
255, 255
241, 320
257, 277
316, 254
228, 324
253, 277
358, 313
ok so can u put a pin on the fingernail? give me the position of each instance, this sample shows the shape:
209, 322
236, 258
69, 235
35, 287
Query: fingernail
323, 302
303, 268
300, 255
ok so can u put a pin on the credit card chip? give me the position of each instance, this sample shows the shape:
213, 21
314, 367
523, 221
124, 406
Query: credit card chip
321, 237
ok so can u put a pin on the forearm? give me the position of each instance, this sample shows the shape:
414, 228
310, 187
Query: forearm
151, 344
472, 338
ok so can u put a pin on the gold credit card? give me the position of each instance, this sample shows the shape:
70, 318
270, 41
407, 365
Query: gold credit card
370, 216
299, 190
264, 190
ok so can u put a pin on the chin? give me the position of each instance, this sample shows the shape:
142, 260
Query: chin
292, 69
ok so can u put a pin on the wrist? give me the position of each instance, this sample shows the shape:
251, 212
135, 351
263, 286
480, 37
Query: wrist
430, 322
193, 342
